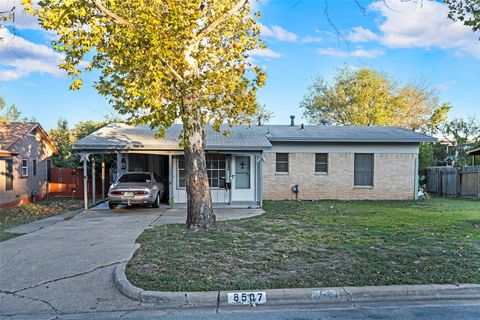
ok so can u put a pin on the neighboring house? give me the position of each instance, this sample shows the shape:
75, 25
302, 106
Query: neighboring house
254, 163
25, 151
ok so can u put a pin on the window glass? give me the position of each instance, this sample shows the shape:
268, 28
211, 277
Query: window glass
8, 174
321, 162
24, 167
242, 172
363, 169
34, 167
135, 177
282, 162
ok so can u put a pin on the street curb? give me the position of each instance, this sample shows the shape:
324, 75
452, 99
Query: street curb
327, 297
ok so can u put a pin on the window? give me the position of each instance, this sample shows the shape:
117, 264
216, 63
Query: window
8, 174
181, 172
363, 169
34, 167
282, 162
49, 168
321, 162
24, 167
135, 177
216, 170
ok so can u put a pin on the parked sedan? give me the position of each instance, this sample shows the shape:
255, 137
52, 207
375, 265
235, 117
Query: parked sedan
136, 188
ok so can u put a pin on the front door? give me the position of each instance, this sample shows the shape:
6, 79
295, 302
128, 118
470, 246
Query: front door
242, 182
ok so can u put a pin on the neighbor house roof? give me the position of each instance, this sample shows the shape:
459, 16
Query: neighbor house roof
13, 132
474, 152
118, 136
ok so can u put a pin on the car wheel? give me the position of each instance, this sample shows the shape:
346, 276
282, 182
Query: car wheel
112, 206
156, 203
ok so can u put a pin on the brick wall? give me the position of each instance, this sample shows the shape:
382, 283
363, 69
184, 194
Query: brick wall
31, 147
394, 175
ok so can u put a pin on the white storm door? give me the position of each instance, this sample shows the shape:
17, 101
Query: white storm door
243, 178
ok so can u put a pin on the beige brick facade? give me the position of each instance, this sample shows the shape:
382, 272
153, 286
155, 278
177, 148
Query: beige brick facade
394, 175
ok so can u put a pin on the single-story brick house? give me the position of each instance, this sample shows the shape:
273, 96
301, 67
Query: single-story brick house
25, 152
254, 163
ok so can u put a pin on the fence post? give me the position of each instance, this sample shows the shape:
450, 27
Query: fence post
478, 182
458, 184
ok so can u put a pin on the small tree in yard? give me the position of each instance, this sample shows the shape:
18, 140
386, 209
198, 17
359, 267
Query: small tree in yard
163, 60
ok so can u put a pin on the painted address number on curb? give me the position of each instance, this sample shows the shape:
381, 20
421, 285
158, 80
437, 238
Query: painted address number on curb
247, 297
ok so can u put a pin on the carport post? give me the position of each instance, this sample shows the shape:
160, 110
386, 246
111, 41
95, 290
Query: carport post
103, 178
85, 181
94, 191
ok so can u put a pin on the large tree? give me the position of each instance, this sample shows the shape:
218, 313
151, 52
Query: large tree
163, 60
467, 11
366, 97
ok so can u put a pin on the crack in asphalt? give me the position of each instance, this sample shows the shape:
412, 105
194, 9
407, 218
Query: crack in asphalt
68, 277
21, 296
10, 259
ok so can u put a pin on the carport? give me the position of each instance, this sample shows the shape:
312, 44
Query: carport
473, 153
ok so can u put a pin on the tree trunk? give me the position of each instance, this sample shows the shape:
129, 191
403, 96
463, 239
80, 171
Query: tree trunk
199, 201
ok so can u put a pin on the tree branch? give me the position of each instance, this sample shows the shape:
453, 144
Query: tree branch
172, 70
112, 15
205, 31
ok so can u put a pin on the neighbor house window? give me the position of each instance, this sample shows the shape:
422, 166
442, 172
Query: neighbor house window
216, 170
363, 169
181, 172
8, 174
282, 162
321, 162
24, 167
34, 167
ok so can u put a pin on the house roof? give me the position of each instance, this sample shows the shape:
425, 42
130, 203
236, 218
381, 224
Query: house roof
13, 132
474, 152
118, 136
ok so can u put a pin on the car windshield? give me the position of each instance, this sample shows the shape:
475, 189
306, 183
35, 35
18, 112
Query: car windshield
135, 177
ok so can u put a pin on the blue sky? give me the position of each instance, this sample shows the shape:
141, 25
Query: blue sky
410, 41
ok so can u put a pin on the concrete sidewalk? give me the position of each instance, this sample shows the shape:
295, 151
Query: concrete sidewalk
67, 267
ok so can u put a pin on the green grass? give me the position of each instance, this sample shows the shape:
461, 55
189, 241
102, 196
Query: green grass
317, 244
21, 214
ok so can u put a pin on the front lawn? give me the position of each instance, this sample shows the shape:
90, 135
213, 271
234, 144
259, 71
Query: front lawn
317, 244
21, 214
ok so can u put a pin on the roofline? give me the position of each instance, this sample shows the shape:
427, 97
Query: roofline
45, 134
473, 151
295, 139
150, 148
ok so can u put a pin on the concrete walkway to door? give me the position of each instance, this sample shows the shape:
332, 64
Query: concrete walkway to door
67, 267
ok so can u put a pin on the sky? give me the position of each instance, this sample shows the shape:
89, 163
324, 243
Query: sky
306, 39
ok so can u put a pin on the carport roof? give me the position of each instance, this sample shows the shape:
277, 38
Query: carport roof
118, 136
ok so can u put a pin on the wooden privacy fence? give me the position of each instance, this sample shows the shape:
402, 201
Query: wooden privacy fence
68, 182
455, 182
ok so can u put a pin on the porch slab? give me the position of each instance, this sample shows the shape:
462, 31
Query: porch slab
179, 215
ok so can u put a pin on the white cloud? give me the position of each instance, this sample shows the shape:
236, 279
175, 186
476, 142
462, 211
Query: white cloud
444, 85
424, 25
20, 57
358, 53
311, 39
266, 53
22, 19
278, 33
360, 34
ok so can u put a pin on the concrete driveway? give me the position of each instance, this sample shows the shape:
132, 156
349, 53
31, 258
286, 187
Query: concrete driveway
67, 267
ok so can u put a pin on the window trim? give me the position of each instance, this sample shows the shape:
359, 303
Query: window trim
282, 162
24, 160
365, 186
316, 162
